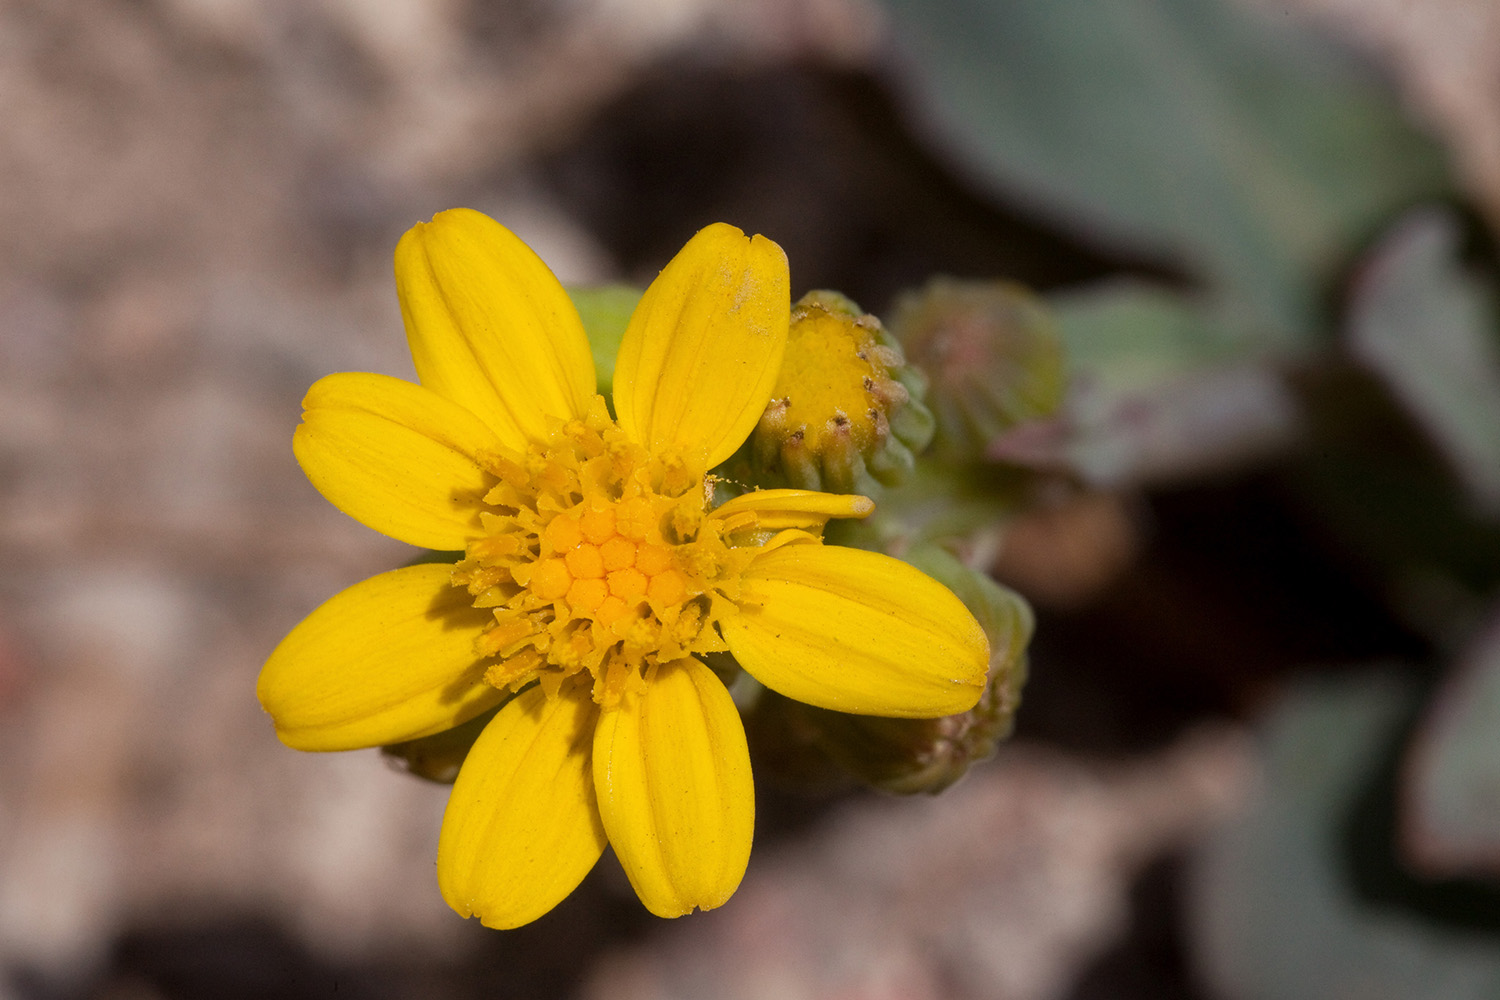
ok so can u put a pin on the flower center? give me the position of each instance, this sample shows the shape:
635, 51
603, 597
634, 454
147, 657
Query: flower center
596, 555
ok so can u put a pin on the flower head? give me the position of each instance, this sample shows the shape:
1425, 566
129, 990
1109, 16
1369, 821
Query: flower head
595, 572
846, 412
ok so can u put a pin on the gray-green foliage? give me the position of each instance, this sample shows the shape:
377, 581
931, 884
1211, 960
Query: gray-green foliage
1276, 912
1453, 824
1161, 388
1431, 330
1239, 147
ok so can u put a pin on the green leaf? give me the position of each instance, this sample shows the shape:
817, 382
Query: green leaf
1198, 131
1160, 390
1133, 335
957, 505
1276, 910
605, 311
1431, 332
1453, 789
1386, 499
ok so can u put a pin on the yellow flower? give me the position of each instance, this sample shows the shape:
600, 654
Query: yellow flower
595, 570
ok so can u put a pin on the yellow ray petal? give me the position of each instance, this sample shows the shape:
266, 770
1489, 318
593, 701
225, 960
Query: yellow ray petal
490, 327
777, 510
522, 828
396, 457
673, 776
387, 660
856, 631
704, 346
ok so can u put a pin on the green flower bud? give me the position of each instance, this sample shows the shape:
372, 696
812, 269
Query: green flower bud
846, 415
993, 354
906, 756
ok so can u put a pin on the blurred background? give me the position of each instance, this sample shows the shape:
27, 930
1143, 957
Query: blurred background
1259, 752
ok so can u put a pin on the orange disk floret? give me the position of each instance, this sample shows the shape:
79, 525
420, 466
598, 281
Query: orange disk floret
585, 562
598, 526
618, 553
628, 584
653, 559
667, 587
550, 579
563, 533
587, 595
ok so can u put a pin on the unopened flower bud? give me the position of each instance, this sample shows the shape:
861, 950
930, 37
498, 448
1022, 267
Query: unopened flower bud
992, 352
906, 756
846, 415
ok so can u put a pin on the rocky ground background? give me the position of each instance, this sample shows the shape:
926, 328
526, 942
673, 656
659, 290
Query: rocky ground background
200, 200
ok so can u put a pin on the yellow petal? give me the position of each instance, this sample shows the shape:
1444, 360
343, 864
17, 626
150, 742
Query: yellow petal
387, 660
490, 327
396, 457
522, 828
856, 631
777, 510
704, 346
673, 776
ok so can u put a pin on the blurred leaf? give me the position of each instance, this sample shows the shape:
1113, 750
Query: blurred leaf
1067, 548
1133, 335
1388, 501
1453, 790
1158, 392
1196, 130
963, 507
1276, 913
605, 311
1432, 333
